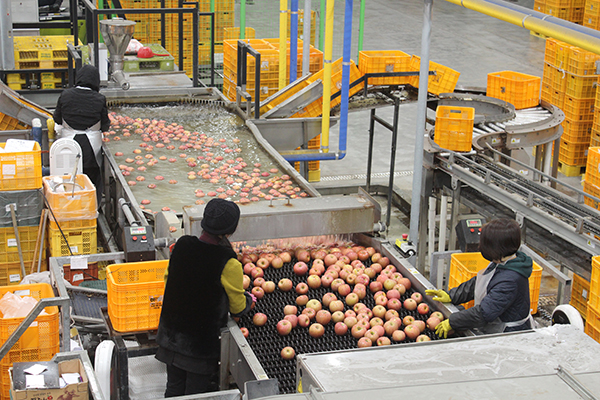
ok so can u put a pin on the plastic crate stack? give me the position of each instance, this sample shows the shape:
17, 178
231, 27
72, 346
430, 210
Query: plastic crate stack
591, 14
20, 184
570, 10
569, 82
40, 342
72, 222
592, 320
580, 293
39, 52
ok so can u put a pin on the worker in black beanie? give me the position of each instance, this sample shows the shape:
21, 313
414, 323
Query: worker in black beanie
204, 282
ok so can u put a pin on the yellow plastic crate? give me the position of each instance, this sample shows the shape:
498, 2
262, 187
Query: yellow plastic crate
9, 252
454, 127
581, 86
594, 299
551, 45
10, 273
135, 293
592, 189
80, 241
592, 323
39, 342
464, 266
67, 205
444, 80
595, 140
579, 109
21, 170
573, 153
8, 123
384, 61
539, 6
234, 33
580, 291
521, 90
592, 170
577, 131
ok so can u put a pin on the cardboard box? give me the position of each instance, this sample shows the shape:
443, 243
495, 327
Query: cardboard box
75, 391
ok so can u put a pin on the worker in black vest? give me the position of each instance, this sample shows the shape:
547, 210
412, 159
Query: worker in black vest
500, 291
81, 114
204, 281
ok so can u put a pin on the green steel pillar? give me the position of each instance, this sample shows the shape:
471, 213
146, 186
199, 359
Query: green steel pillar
361, 26
243, 20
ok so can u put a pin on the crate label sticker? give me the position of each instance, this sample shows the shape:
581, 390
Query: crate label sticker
25, 292
77, 277
9, 169
156, 302
14, 278
591, 244
264, 65
218, 58
11, 242
79, 262
8, 207
584, 293
74, 249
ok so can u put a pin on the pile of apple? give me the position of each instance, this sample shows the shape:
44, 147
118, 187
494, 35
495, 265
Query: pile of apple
349, 290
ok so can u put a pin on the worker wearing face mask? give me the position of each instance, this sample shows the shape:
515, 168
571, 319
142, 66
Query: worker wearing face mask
500, 291
81, 114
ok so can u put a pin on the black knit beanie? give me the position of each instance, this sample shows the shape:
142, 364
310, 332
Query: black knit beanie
220, 217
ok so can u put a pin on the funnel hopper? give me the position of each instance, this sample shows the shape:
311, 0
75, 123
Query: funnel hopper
117, 33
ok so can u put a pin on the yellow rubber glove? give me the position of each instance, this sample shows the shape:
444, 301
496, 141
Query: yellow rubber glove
50, 125
443, 328
439, 295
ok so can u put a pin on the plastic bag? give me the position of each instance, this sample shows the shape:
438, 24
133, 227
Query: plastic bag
13, 306
133, 46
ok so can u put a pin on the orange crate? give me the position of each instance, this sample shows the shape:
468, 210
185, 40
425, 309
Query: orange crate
590, 21
547, 93
444, 80
454, 127
576, 15
579, 109
539, 6
582, 62
558, 99
39, 342
79, 241
558, 3
592, 323
581, 86
69, 205
563, 52
592, 169
573, 154
464, 266
594, 299
580, 291
595, 140
577, 131
521, 90
593, 190
551, 48
21, 170
234, 33
562, 13
559, 80
384, 61
135, 293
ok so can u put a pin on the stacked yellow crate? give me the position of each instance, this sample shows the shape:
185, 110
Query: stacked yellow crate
570, 10
591, 14
39, 52
592, 320
595, 135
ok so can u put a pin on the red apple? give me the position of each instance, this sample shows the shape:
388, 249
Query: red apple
336, 305
310, 312
253, 257
277, 263
337, 316
316, 330
384, 261
303, 256
326, 280
416, 296
288, 353
360, 290
381, 300
285, 285
410, 304
423, 308
419, 324
376, 321
363, 255
328, 298
248, 267
350, 313
302, 288
412, 331
400, 288
388, 284
246, 281
399, 336
350, 321
405, 282
285, 257
407, 320
245, 332
302, 300
323, 317
315, 271
351, 255
335, 285
352, 299
258, 292
303, 320
383, 341
364, 342
390, 314
330, 259
319, 254
344, 290
372, 334
259, 319
394, 304
263, 263
284, 327
423, 338
376, 267
393, 294
351, 279
258, 282
375, 286
293, 319
300, 268
376, 257
340, 328
290, 310
371, 251
268, 286
379, 311
314, 281
433, 322
314, 304
257, 272
438, 315
390, 327
358, 331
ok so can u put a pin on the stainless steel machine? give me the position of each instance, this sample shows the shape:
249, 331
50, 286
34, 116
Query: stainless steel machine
117, 33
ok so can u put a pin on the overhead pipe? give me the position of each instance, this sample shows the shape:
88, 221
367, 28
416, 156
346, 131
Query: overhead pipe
324, 154
294, 41
282, 42
573, 34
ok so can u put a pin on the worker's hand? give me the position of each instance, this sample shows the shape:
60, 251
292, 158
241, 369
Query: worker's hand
439, 295
253, 297
443, 329
50, 126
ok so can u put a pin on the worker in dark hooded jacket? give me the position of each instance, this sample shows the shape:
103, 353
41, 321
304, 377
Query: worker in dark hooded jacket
500, 291
204, 283
81, 114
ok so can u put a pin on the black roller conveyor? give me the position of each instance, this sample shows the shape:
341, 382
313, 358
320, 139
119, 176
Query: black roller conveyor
267, 343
